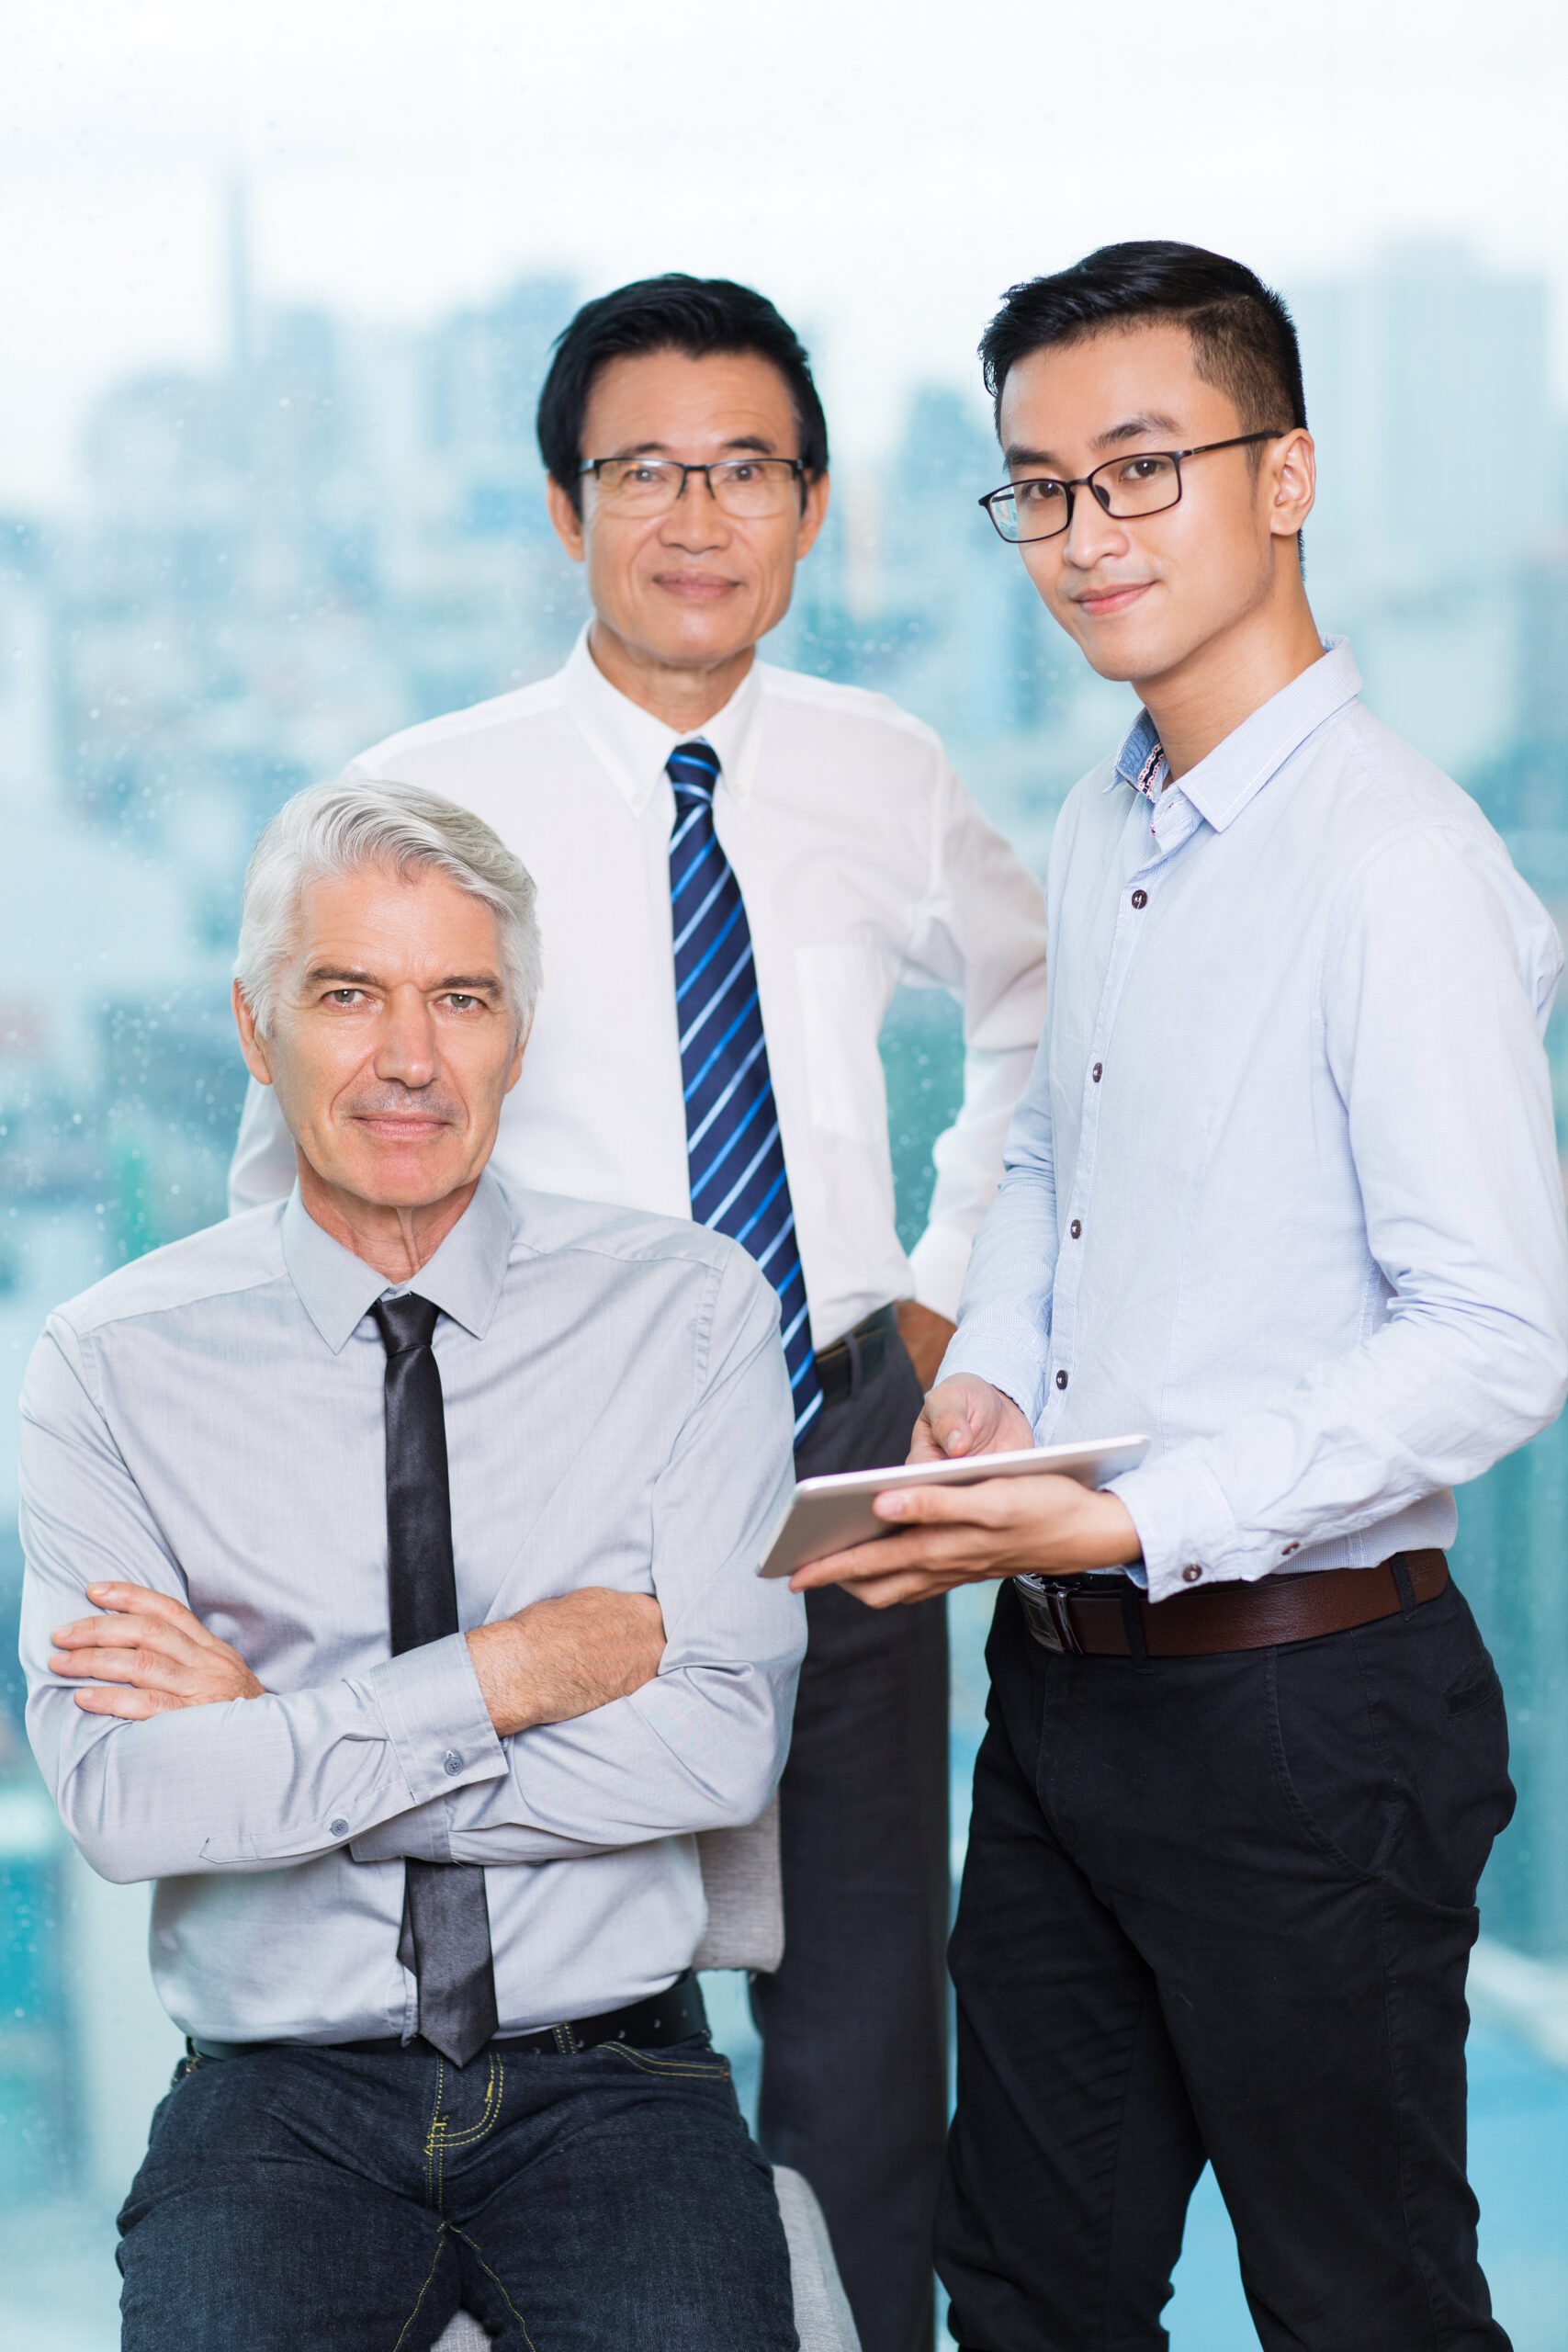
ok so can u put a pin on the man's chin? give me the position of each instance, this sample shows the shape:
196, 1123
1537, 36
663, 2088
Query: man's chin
1121, 655
698, 632
400, 1176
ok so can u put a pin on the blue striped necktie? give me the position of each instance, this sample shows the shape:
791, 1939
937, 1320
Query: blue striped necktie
733, 1148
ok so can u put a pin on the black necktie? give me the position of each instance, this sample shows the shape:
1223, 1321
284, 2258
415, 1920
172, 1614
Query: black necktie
446, 1937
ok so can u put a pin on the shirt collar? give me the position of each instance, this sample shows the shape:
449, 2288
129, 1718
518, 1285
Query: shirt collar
633, 746
463, 1279
1221, 785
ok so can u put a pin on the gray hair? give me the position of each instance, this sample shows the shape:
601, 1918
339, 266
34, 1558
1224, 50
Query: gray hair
335, 829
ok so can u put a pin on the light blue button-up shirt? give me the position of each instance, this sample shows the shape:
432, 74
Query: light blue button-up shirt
208, 1422
1283, 1188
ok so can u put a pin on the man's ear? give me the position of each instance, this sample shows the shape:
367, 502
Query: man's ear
252, 1045
516, 1072
813, 514
1292, 472
567, 522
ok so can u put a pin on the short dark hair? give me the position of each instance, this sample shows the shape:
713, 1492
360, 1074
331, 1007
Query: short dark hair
1244, 340
696, 315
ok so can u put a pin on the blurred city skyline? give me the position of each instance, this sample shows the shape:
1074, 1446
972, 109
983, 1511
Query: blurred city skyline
885, 178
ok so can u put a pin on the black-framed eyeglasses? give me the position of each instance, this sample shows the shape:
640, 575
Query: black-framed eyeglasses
749, 488
1145, 481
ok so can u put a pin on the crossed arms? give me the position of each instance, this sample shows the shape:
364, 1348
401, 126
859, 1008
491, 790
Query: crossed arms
548, 1663
591, 1720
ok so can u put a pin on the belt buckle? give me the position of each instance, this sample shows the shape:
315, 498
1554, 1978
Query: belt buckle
1047, 1614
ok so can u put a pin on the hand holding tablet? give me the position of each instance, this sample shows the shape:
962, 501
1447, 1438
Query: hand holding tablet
1023, 1509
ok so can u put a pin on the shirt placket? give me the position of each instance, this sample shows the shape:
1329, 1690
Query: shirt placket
1173, 825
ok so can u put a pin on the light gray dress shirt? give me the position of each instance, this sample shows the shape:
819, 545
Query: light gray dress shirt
1283, 1189
209, 1421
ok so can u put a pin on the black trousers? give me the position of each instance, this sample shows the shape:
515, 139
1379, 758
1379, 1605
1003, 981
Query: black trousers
1222, 1907
853, 2024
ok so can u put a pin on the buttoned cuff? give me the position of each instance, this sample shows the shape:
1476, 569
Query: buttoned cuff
1017, 1369
940, 1259
1186, 1531
436, 1719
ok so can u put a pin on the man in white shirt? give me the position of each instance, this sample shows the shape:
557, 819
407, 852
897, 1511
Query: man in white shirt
737, 865
1284, 1192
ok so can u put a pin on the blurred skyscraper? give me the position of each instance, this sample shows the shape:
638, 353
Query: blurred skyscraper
1441, 473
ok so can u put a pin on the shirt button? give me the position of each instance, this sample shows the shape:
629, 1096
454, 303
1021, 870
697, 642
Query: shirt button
1076, 1227
1140, 899
451, 1761
1192, 1572
1061, 1380
339, 1827
1096, 1071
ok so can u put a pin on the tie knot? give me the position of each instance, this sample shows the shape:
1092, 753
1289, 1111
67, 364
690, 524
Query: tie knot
693, 770
407, 1322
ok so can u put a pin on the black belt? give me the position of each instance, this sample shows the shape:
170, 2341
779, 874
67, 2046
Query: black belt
674, 2015
865, 1347
1091, 1621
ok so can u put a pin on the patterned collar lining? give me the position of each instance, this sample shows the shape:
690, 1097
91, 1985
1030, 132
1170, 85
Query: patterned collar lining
1154, 775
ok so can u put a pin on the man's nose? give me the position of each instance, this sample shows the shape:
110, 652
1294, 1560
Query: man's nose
405, 1042
697, 521
1092, 533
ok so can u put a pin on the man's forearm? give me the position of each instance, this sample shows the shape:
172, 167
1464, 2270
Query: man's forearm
261, 1783
566, 1656
701, 1747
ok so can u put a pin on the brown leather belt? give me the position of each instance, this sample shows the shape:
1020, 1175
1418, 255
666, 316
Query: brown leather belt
1227, 1616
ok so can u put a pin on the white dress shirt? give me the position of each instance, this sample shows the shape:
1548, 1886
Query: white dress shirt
210, 1422
1283, 1189
864, 863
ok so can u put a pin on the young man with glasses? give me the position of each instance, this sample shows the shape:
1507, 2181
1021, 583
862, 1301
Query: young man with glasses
1282, 1192
736, 865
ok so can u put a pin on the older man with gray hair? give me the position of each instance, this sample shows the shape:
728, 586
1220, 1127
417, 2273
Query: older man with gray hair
391, 1602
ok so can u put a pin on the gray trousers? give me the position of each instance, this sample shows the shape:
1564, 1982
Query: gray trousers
854, 2023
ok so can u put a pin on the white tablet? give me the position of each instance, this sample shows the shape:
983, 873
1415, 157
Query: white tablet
829, 1514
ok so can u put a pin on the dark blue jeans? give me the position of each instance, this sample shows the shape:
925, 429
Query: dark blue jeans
610, 2201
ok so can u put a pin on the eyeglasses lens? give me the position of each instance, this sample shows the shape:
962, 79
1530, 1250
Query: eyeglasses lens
1125, 487
1136, 485
1031, 510
747, 488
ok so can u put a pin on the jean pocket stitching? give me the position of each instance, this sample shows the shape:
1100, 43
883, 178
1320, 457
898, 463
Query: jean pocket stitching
495, 2085
716, 2071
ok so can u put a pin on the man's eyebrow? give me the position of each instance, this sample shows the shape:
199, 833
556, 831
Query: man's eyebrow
343, 976
760, 442
1015, 454
1131, 428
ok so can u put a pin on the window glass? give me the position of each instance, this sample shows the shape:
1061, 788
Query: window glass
281, 304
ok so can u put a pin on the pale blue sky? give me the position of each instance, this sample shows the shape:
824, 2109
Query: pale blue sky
882, 166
